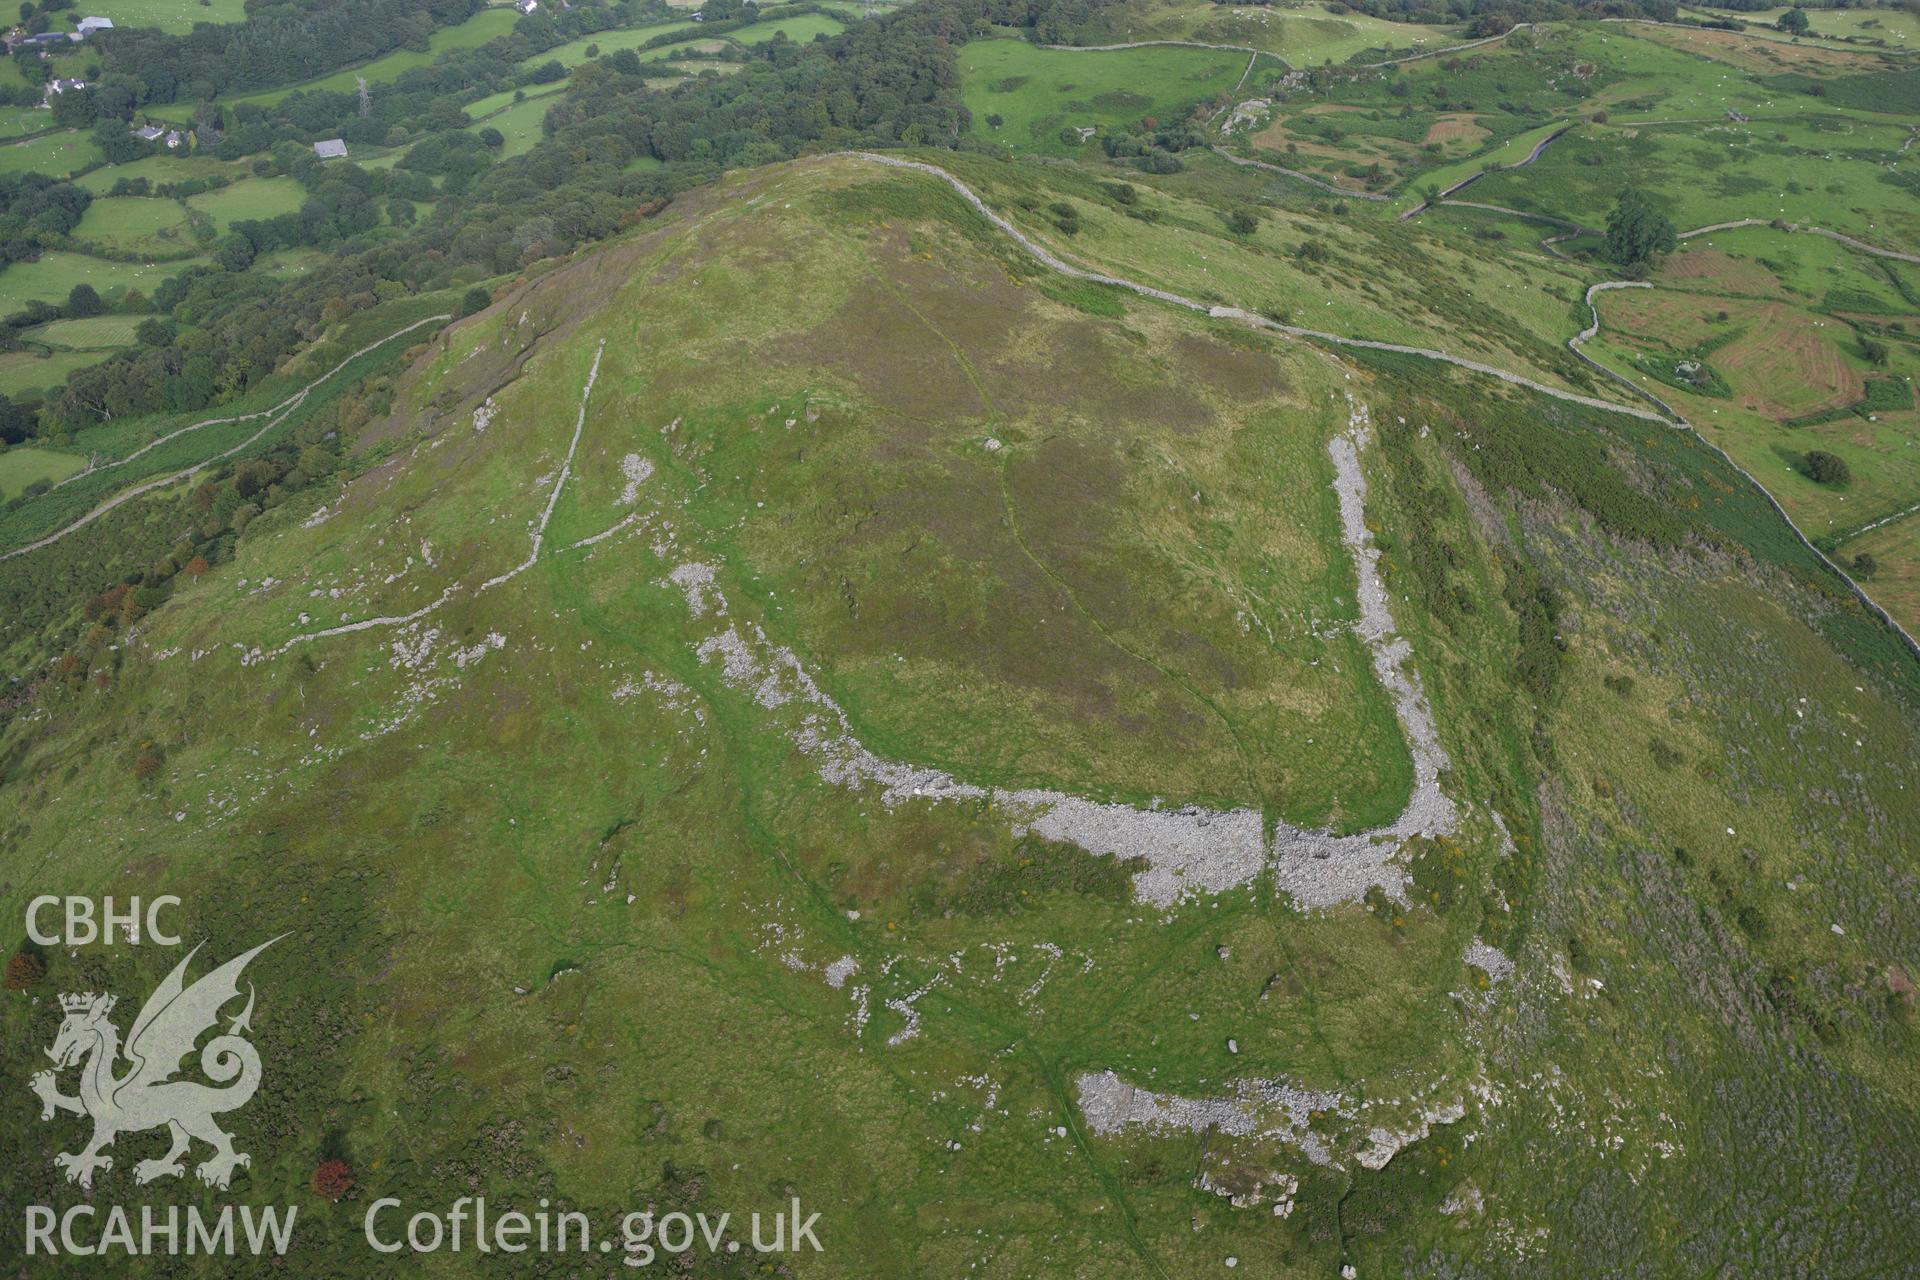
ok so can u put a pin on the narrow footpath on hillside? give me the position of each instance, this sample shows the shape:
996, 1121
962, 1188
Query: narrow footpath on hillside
275, 416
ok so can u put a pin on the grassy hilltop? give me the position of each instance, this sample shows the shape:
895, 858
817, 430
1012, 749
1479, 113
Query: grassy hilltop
578, 909
1098, 661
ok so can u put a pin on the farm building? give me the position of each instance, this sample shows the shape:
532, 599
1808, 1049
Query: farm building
149, 133
331, 149
90, 25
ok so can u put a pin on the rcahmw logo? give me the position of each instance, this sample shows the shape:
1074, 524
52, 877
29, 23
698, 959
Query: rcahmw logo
144, 1094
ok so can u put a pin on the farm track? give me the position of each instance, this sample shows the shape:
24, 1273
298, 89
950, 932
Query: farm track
275, 415
1311, 181
1059, 265
1803, 228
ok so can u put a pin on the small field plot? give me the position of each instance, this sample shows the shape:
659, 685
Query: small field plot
290, 262
257, 198
158, 170
1775, 360
1895, 552
481, 108
1036, 93
56, 154
135, 224
574, 52
95, 333
1821, 273
24, 465
1828, 170
25, 372
1772, 383
801, 28
52, 275
691, 45
177, 16
519, 123
17, 121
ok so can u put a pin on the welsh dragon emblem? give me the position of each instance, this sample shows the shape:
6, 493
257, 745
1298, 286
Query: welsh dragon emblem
145, 1095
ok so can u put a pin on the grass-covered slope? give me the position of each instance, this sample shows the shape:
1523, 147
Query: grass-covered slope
632, 748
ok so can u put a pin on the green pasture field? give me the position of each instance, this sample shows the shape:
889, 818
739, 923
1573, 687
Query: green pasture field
574, 52
1826, 171
11, 77
161, 169
52, 275
1895, 583
136, 224
1518, 91
1899, 27
53, 154
518, 122
481, 108
1038, 92
290, 262
22, 465
668, 55
801, 28
1814, 270
52, 351
22, 372
257, 198
1305, 35
1651, 75
177, 16
94, 333
17, 122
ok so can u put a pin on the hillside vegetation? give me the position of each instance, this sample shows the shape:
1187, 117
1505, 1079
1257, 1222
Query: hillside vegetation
863, 498
1097, 662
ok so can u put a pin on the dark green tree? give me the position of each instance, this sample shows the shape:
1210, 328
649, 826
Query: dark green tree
16, 424
234, 252
1637, 229
1793, 22
1828, 468
83, 301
